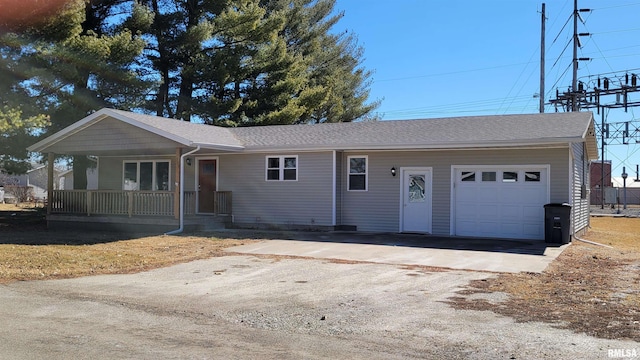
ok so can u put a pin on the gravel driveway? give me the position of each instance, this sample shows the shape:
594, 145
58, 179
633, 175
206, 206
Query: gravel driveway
246, 307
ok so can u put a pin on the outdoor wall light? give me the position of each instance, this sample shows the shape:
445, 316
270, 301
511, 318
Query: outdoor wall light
188, 161
393, 171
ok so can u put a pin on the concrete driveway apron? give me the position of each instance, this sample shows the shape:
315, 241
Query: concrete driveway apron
494, 255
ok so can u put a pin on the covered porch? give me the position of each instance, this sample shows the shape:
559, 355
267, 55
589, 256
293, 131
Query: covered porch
141, 162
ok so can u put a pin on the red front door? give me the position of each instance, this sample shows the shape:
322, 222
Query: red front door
206, 185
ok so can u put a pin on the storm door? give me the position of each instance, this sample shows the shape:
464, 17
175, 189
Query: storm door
416, 200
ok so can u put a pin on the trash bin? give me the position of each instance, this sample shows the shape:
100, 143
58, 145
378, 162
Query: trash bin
557, 221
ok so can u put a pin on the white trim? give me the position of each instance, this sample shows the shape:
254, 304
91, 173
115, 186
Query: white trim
425, 169
334, 194
489, 145
197, 178
455, 168
154, 185
366, 172
182, 157
571, 177
281, 167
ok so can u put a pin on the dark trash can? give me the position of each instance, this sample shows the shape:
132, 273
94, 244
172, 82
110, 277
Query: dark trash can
557, 220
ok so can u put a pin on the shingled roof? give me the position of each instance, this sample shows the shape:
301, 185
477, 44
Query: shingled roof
425, 133
442, 133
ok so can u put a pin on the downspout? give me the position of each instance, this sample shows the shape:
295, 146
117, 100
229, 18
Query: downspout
181, 228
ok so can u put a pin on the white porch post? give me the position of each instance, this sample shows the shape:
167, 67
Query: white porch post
51, 157
176, 188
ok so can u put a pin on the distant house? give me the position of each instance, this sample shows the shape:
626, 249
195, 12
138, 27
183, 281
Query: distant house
482, 176
66, 179
35, 179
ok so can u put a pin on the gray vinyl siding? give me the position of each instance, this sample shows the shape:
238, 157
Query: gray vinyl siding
580, 178
112, 135
257, 202
378, 209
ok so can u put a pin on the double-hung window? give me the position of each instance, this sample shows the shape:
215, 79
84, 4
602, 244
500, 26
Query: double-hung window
282, 168
146, 175
357, 176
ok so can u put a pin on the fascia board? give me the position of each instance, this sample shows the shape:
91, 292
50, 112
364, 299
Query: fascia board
442, 146
69, 130
217, 146
96, 117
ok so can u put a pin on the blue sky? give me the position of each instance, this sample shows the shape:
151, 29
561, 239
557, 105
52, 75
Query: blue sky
442, 58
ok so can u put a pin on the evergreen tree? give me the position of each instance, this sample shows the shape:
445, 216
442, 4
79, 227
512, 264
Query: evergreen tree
80, 60
253, 62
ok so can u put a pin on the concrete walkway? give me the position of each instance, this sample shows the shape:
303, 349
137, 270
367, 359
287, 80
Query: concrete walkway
455, 253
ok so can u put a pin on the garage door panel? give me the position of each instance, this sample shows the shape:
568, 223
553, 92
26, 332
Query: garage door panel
511, 228
510, 193
532, 194
468, 193
467, 210
533, 231
487, 211
513, 209
487, 227
533, 212
511, 213
487, 194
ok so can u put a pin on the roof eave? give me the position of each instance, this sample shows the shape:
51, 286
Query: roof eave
221, 147
98, 116
435, 146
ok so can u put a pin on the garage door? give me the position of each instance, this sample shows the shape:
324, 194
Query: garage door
503, 202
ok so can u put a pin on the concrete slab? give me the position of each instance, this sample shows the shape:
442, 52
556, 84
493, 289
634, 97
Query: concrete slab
491, 255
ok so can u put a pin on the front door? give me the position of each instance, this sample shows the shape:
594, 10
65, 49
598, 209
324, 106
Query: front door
416, 200
206, 185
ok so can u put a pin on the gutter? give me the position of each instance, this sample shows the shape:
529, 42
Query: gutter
182, 157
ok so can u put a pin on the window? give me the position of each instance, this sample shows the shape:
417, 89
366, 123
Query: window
146, 175
509, 176
357, 177
488, 176
532, 176
282, 168
468, 176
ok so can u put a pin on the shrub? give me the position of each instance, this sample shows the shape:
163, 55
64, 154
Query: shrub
20, 193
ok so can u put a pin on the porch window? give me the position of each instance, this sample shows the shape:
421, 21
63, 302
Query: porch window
146, 175
357, 177
282, 168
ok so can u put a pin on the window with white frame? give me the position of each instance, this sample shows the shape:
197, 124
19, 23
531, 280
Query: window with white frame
357, 176
146, 175
282, 168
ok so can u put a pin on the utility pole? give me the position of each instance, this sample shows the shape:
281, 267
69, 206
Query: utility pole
574, 82
542, 55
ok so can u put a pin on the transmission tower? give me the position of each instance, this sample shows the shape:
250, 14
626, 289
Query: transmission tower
601, 93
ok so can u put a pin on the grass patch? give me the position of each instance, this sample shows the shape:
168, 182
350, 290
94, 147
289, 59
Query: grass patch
31, 262
589, 289
29, 252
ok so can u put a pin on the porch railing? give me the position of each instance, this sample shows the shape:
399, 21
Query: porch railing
130, 203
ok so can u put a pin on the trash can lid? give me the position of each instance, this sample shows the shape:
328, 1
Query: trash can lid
557, 205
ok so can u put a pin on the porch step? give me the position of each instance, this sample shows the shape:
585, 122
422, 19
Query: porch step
206, 223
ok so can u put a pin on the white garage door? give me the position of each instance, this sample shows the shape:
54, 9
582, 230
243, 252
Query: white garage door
503, 202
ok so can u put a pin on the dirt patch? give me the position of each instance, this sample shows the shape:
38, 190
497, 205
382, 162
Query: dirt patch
589, 289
